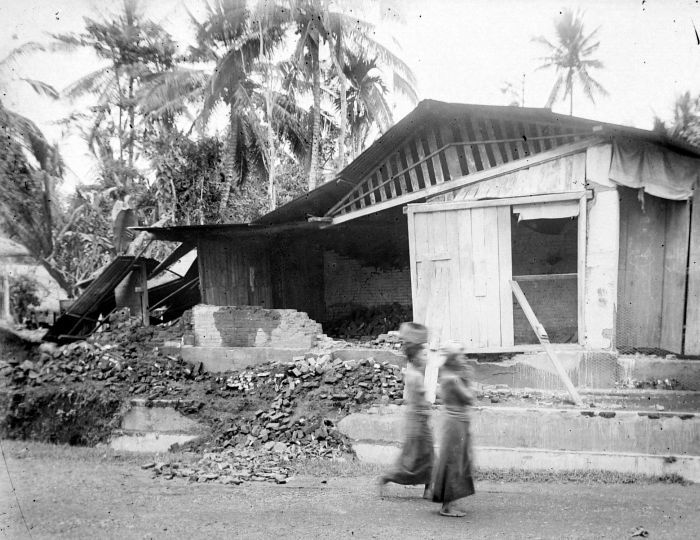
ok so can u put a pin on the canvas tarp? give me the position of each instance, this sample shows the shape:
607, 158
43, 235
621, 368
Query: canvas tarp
659, 172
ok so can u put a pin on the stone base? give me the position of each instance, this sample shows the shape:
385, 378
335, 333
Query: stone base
553, 461
220, 359
590, 430
155, 428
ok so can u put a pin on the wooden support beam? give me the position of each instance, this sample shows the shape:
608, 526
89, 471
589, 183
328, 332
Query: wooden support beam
142, 289
545, 277
581, 269
544, 340
467, 180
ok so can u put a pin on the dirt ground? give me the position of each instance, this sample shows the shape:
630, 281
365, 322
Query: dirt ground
68, 492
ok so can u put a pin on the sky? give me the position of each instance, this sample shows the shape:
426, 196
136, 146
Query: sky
460, 50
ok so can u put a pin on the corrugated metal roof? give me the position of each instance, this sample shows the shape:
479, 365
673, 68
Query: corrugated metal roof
190, 233
320, 200
97, 297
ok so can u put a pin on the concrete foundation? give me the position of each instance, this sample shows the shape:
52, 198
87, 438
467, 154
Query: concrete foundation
639, 442
661, 433
644, 368
529, 459
154, 428
220, 359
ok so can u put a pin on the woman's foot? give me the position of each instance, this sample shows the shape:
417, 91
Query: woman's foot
428, 493
381, 482
450, 510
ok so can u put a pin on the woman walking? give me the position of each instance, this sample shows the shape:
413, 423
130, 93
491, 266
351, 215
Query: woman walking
453, 480
415, 465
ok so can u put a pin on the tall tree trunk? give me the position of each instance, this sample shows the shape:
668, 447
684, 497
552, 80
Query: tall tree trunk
230, 172
571, 102
336, 53
132, 139
271, 148
316, 128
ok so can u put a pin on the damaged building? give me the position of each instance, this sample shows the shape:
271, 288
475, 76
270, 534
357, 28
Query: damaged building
594, 221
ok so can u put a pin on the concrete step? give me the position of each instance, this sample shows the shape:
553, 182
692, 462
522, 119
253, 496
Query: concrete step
623, 441
154, 426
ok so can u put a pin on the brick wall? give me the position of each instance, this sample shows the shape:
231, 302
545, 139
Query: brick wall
347, 282
554, 301
555, 305
252, 326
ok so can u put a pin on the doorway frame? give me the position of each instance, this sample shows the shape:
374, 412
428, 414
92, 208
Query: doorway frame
582, 227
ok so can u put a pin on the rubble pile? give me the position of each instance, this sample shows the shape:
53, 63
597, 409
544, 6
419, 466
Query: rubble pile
261, 418
366, 323
294, 424
229, 467
141, 371
343, 383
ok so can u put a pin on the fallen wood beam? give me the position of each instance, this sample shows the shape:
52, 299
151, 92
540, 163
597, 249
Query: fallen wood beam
544, 340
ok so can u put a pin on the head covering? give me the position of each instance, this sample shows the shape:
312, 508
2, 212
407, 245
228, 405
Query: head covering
413, 333
452, 348
452, 351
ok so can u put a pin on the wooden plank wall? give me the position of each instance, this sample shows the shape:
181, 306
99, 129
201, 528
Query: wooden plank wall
652, 273
297, 276
452, 148
675, 261
692, 317
234, 273
462, 269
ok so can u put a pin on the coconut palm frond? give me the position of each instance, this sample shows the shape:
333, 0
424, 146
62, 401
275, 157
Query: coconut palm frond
42, 88
554, 93
21, 52
590, 85
94, 82
402, 86
169, 92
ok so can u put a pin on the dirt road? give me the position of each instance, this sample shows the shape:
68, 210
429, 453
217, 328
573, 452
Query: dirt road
66, 493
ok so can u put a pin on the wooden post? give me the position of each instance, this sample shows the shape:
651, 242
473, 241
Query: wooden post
143, 290
6, 297
544, 340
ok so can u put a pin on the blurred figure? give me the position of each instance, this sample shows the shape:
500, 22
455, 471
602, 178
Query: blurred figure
453, 481
415, 465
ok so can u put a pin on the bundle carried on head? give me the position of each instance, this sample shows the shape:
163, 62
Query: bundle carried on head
412, 333
456, 361
414, 336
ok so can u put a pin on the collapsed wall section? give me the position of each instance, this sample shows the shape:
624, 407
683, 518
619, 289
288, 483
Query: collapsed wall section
349, 283
253, 326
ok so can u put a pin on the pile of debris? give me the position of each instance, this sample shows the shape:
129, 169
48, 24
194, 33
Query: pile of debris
229, 467
294, 425
143, 371
261, 418
367, 323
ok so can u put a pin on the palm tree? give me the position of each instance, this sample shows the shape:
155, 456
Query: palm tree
135, 50
368, 107
318, 22
685, 123
236, 42
570, 56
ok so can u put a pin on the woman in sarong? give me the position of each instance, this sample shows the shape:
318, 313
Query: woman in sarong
453, 481
415, 464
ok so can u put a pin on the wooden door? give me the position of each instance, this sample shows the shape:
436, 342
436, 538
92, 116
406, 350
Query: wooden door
652, 274
460, 273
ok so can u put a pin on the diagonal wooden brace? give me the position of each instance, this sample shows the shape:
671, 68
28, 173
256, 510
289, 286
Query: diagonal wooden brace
544, 340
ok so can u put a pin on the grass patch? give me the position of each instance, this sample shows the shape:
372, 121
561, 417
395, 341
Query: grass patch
346, 467
575, 477
17, 449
